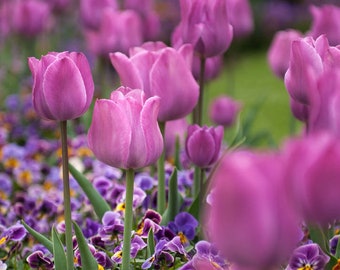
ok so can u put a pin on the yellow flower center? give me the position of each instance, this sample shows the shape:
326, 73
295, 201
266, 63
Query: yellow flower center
11, 163
3, 240
183, 238
306, 267
120, 207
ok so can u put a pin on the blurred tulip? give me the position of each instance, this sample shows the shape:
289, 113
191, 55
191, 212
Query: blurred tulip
117, 32
241, 17
213, 67
124, 132
304, 68
4, 20
30, 17
149, 17
63, 86
173, 129
279, 51
91, 11
203, 144
326, 20
205, 25
248, 210
160, 71
223, 110
312, 175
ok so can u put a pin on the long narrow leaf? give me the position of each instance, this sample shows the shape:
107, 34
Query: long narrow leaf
100, 206
88, 262
47, 243
60, 262
151, 244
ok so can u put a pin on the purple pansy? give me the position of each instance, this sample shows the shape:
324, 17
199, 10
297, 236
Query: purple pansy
184, 226
308, 256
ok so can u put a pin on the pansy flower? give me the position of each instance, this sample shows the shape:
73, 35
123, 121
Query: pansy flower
184, 226
308, 257
151, 220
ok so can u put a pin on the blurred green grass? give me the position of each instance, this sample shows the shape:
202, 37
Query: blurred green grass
248, 78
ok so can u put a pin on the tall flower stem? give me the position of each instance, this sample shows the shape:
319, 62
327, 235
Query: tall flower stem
161, 176
67, 196
128, 219
197, 119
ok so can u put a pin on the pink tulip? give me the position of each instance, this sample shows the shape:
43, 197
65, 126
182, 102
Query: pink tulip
203, 145
213, 67
124, 132
324, 111
205, 25
91, 11
160, 71
279, 51
241, 17
174, 129
149, 17
223, 110
326, 20
312, 176
118, 31
30, 17
249, 218
63, 86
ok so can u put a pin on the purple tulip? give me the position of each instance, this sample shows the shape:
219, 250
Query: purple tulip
241, 17
279, 51
160, 71
223, 110
312, 177
205, 25
63, 86
91, 11
30, 17
117, 31
248, 210
326, 20
124, 132
203, 144
213, 67
309, 256
174, 129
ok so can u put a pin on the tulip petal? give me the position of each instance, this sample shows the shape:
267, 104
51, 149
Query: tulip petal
168, 77
62, 87
109, 135
128, 74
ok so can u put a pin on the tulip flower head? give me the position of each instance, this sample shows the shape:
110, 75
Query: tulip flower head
124, 132
63, 86
247, 210
160, 71
223, 110
203, 144
205, 25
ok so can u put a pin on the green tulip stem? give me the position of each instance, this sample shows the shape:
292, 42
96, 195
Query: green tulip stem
67, 196
128, 219
197, 180
199, 107
161, 202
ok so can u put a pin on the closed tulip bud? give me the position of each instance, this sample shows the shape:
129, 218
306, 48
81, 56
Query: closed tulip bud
205, 25
124, 132
313, 177
279, 51
160, 71
174, 129
63, 86
30, 17
223, 110
117, 31
91, 11
326, 20
203, 144
213, 67
248, 209
241, 17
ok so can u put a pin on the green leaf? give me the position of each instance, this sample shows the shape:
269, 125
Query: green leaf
337, 252
60, 262
100, 206
151, 244
175, 199
87, 260
39, 237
